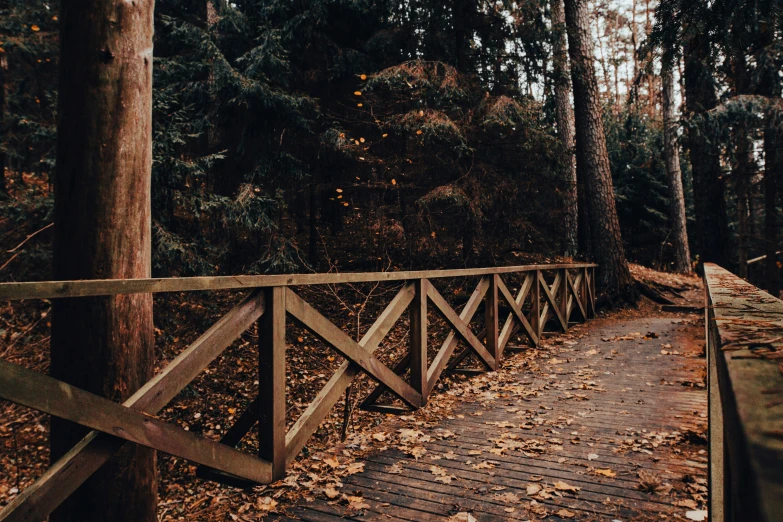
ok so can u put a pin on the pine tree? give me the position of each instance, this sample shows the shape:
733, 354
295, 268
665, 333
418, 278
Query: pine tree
105, 345
593, 159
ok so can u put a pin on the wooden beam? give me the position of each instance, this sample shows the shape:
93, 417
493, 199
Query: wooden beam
535, 305
48, 395
319, 407
491, 319
462, 329
271, 381
72, 469
450, 344
508, 327
517, 311
573, 286
400, 367
551, 299
93, 287
418, 340
350, 349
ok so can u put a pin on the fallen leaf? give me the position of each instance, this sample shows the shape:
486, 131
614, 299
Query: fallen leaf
605, 472
331, 493
533, 489
266, 503
462, 516
564, 513
698, 515
562, 486
592, 456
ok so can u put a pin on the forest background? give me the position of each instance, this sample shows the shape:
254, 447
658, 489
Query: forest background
351, 135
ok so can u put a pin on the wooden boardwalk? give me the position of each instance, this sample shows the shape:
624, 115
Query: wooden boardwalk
611, 408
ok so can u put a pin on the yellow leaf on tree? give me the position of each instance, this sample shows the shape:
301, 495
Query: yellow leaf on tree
361, 139
419, 131
384, 135
360, 105
338, 190
357, 93
35, 28
363, 76
345, 204
394, 181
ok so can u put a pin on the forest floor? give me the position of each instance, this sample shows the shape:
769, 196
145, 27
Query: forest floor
566, 373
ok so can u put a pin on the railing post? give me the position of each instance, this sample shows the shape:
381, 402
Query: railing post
536, 305
592, 290
271, 381
563, 290
491, 319
583, 293
418, 340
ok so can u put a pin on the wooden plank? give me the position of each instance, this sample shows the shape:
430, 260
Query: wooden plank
509, 326
462, 329
450, 344
573, 286
563, 291
551, 298
491, 319
418, 340
350, 349
319, 407
400, 367
58, 289
43, 393
535, 305
271, 381
232, 438
745, 322
72, 469
517, 311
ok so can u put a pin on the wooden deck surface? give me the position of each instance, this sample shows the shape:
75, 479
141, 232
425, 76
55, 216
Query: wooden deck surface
606, 399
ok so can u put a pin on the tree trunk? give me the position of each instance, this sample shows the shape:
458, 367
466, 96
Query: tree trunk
772, 167
742, 174
564, 116
682, 254
712, 225
461, 14
104, 345
3, 185
593, 158
312, 250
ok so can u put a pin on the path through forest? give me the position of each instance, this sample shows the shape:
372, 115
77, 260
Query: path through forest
606, 422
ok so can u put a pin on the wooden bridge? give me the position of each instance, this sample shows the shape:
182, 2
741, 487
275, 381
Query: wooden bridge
542, 296
595, 421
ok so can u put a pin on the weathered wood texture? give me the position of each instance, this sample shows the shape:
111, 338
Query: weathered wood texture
637, 393
56, 289
745, 351
270, 306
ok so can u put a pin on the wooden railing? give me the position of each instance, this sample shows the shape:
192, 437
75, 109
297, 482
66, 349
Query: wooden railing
745, 381
569, 294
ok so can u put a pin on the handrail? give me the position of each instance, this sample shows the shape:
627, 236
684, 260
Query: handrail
744, 327
548, 295
96, 287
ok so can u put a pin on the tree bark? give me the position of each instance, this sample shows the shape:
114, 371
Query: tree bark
742, 174
773, 164
104, 345
592, 156
682, 254
712, 225
564, 116
3, 185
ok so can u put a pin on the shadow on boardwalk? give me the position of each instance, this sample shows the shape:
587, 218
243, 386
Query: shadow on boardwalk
605, 423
